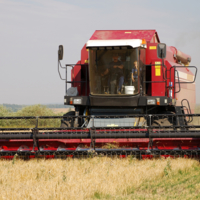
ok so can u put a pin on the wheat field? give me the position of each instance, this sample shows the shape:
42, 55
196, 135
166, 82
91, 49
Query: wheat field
99, 178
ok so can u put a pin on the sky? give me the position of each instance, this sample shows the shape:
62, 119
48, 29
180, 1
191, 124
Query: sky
32, 30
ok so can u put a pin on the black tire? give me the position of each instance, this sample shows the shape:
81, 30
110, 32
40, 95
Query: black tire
165, 121
162, 122
68, 122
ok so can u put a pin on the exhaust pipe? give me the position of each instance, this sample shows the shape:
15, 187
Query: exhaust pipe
180, 56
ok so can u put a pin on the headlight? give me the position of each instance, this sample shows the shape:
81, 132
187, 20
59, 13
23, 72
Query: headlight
151, 102
77, 101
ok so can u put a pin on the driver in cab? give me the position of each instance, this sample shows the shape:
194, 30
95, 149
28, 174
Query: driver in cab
136, 71
115, 71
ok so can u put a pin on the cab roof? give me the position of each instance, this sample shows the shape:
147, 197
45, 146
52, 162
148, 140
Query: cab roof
149, 35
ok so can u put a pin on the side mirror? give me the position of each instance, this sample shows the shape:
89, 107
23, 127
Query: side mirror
60, 52
161, 50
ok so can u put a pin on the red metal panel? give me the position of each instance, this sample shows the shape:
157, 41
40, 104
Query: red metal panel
84, 71
84, 55
161, 143
76, 76
151, 52
157, 88
72, 144
124, 34
155, 38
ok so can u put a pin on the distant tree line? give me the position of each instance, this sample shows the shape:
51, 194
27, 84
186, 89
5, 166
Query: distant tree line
15, 107
32, 110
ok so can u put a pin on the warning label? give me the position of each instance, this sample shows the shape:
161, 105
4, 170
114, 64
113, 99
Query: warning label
152, 47
157, 69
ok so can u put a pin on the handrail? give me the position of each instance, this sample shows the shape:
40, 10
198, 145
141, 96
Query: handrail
188, 67
188, 111
72, 66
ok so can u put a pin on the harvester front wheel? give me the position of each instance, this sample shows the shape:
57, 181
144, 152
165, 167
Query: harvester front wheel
68, 122
162, 122
165, 121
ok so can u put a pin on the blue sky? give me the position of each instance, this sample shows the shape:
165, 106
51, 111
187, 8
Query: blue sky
32, 30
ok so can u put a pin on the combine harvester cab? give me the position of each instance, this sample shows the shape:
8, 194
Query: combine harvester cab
132, 96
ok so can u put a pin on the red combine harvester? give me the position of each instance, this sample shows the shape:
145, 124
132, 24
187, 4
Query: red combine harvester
131, 96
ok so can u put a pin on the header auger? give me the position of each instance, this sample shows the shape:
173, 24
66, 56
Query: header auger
133, 96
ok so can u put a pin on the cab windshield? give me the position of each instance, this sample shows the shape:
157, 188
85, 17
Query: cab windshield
114, 71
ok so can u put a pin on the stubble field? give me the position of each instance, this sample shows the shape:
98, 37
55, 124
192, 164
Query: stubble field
100, 178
